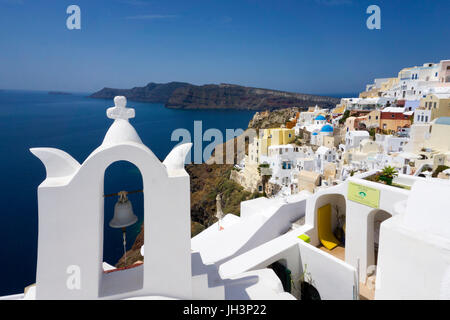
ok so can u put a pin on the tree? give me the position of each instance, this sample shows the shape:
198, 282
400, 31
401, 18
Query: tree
387, 174
344, 117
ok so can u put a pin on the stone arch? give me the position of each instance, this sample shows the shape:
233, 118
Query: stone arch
374, 220
338, 207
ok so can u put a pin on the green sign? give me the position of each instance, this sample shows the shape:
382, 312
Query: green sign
365, 195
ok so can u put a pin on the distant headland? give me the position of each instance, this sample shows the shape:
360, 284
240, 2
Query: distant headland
181, 95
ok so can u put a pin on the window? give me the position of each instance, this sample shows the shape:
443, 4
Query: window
426, 118
435, 105
392, 116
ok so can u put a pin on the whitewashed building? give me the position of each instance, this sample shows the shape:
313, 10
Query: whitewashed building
354, 138
324, 155
391, 143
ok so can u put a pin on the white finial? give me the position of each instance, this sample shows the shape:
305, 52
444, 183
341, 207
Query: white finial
120, 110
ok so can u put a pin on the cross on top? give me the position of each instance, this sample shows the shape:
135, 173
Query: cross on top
120, 110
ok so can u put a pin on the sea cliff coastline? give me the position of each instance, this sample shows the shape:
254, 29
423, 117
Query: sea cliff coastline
181, 95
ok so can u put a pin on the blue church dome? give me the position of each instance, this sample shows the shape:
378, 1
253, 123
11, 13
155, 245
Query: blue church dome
320, 117
327, 128
314, 134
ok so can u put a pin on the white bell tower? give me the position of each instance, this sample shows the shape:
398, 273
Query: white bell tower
71, 220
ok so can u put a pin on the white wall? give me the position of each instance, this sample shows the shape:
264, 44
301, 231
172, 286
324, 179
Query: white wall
333, 278
358, 237
411, 264
261, 220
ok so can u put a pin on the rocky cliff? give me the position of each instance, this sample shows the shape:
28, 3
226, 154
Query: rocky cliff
180, 95
274, 119
152, 92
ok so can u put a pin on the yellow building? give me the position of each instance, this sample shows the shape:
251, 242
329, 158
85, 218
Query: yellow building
330, 142
437, 103
373, 119
377, 91
385, 86
275, 137
340, 109
373, 93
440, 131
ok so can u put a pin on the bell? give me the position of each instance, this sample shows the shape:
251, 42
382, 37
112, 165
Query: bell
123, 213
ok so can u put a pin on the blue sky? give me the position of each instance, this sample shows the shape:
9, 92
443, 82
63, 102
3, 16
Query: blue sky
310, 46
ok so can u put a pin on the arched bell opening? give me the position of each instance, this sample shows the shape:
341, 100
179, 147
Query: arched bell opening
123, 213
121, 176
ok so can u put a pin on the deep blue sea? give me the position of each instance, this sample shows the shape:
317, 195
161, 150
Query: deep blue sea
76, 124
